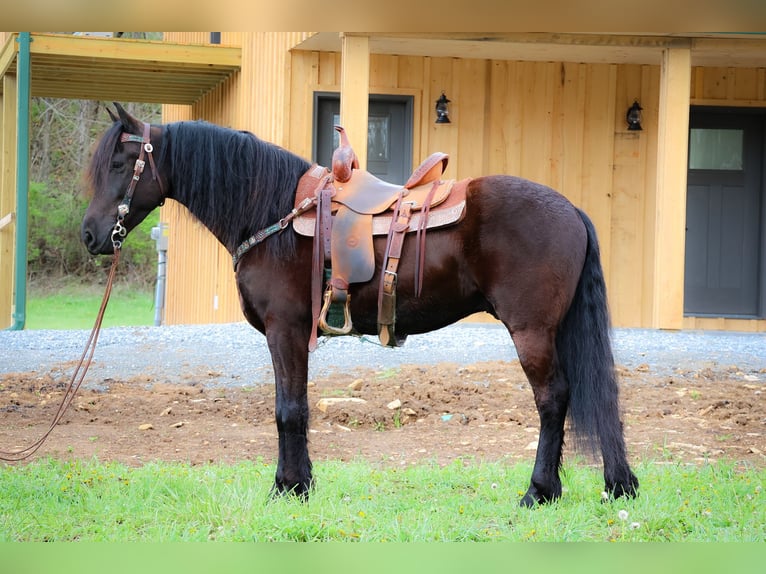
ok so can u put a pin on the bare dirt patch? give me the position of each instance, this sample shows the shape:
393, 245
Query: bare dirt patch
402, 416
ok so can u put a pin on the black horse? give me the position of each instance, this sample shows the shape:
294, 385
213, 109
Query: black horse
522, 253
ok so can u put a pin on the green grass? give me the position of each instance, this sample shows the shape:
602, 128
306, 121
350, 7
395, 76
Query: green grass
75, 307
49, 500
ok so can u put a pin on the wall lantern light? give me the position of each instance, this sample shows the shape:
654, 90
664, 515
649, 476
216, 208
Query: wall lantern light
442, 111
634, 117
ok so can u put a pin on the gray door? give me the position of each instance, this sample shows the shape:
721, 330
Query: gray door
723, 214
389, 134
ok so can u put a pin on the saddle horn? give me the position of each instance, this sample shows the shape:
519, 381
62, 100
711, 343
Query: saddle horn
344, 160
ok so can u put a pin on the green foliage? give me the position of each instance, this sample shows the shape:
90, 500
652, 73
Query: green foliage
55, 249
357, 501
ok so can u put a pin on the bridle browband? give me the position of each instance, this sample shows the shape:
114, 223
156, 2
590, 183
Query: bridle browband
119, 231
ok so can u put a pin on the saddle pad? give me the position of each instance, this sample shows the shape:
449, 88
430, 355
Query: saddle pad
438, 217
449, 211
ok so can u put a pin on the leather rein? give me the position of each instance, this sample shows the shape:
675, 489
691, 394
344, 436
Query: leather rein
118, 234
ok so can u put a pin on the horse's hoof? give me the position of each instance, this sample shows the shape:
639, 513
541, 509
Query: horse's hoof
528, 501
534, 497
627, 488
299, 490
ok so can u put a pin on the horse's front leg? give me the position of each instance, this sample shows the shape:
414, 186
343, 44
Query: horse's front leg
289, 355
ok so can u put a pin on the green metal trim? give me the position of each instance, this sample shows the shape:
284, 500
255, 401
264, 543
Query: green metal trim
23, 76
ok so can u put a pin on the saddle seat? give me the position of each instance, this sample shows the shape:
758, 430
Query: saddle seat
365, 193
352, 206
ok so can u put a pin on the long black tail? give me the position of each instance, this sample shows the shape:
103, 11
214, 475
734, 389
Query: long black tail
584, 349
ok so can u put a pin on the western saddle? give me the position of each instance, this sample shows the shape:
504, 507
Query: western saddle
352, 206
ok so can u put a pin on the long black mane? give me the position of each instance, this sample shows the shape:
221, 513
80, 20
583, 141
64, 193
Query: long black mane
232, 181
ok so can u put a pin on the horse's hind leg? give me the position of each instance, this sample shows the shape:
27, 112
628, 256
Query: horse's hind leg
536, 350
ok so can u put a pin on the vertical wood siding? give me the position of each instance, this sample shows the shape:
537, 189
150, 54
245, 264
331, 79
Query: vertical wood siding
729, 86
562, 124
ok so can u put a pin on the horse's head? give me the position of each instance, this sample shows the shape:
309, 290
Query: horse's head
121, 196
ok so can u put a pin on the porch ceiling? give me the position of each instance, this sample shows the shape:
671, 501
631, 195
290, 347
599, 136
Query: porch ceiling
743, 50
125, 70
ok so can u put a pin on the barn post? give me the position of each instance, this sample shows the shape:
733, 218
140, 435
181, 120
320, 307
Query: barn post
355, 91
670, 200
22, 181
14, 181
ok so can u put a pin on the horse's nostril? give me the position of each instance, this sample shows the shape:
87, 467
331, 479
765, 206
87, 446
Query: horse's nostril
88, 238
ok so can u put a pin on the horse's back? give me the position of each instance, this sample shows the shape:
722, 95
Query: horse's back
520, 200
525, 242
504, 207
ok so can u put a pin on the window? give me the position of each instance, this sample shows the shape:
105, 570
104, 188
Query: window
715, 149
377, 137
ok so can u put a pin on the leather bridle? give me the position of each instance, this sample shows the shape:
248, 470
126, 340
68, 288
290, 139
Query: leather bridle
120, 231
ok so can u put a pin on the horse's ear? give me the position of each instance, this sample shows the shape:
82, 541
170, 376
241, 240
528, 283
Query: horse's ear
111, 114
130, 124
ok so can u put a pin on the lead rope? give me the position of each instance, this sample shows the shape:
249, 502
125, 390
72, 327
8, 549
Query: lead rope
77, 377
119, 231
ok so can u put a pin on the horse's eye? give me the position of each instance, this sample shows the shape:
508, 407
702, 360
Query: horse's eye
117, 164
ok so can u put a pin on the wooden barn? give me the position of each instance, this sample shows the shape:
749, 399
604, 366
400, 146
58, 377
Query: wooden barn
677, 194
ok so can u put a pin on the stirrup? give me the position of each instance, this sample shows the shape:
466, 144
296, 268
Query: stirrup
386, 336
329, 329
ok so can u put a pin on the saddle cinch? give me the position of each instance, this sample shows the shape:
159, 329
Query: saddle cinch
352, 206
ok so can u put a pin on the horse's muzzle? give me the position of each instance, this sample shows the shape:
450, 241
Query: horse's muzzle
95, 243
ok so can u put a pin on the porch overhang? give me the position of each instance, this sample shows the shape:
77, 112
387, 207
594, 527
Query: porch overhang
126, 70
82, 67
715, 49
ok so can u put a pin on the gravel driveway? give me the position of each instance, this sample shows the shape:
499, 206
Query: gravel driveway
236, 354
